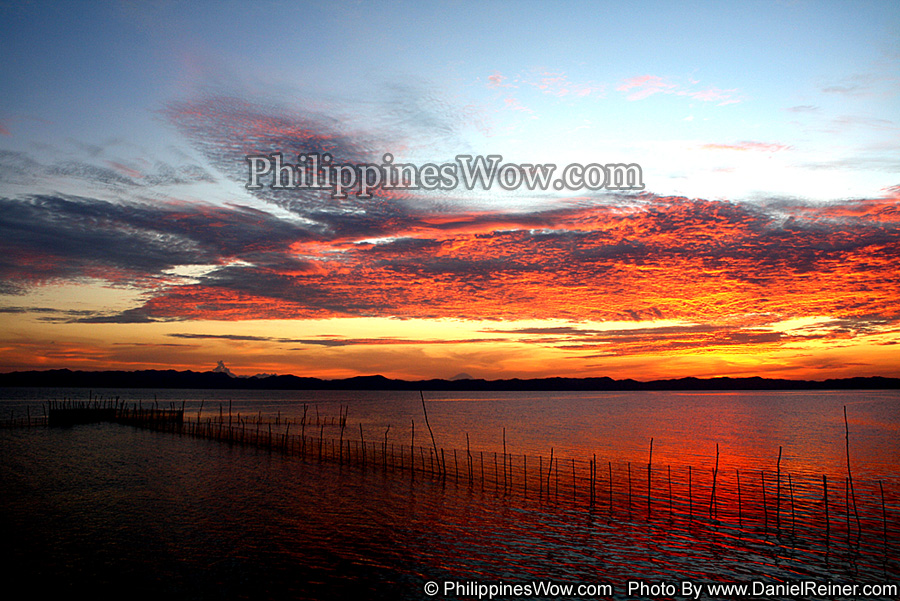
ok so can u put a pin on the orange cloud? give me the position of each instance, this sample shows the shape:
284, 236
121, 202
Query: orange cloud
667, 258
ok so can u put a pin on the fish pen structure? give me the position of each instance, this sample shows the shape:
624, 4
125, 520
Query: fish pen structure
70, 413
796, 511
857, 517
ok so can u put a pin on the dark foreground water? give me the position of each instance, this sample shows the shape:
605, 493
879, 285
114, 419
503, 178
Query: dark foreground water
117, 512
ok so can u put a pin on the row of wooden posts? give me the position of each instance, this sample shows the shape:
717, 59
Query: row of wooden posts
746, 505
749, 505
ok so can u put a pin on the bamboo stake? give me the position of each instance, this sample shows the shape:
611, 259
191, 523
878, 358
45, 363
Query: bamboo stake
690, 494
482, 469
610, 489
712, 496
504, 459
469, 459
669, 467
778, 493
883, 515
849, 473
425, 411
556, 472
591, 483
649, 487
573, 480
847, 501
384, 448
341, 456
549, 472
496, 476
629, 490
362, 441
793, 515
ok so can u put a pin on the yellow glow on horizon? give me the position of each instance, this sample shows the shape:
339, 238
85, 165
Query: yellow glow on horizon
437, 348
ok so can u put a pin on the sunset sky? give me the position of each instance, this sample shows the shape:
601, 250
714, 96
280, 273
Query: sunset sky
766, 240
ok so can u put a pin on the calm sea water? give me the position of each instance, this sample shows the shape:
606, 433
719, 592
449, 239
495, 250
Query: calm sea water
117, 511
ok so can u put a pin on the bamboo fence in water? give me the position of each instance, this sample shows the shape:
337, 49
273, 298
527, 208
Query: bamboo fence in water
764, 502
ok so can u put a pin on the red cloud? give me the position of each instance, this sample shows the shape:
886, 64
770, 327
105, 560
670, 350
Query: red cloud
669, 258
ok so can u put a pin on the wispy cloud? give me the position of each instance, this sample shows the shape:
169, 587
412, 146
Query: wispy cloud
560, 85
644, 86
336, 341
721, 97
100, 174
860, 84
803, 108
749, 145
752, 336
845, 121
496, 80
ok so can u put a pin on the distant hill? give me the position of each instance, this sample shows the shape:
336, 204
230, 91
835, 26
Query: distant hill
65, 378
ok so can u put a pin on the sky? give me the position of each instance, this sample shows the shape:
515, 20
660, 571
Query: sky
761, 238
